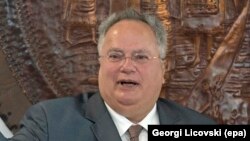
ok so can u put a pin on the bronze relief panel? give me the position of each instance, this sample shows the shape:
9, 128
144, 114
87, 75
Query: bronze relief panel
50, 47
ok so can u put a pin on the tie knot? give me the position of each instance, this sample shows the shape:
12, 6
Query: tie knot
134, 132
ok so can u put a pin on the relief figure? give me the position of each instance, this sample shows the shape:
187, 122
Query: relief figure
202, 18
80, 13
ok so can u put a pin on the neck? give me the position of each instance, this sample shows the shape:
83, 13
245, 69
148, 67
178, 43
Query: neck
137, 116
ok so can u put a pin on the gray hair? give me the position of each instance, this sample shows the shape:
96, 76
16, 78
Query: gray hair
150, 20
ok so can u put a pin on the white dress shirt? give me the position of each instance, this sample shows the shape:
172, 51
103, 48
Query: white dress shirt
122, 123
5, 130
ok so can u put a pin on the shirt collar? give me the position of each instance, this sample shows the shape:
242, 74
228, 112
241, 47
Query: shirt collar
122, 123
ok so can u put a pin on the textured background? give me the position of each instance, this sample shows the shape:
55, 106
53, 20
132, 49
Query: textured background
48, 50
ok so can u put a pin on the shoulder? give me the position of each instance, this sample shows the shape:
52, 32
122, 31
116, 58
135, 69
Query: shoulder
184, 114
62, 102
68, 104
57, 106
48, 119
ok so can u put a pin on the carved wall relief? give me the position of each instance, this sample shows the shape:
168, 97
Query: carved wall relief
203, 19
214, 81
50, 47
80, 13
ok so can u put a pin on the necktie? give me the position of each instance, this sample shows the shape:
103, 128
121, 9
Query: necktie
134, 132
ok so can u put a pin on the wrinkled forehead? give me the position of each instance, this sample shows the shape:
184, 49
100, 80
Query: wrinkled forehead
130, 35
131, 32
127, 24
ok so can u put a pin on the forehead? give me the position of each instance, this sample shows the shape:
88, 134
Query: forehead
128, 24
133, 34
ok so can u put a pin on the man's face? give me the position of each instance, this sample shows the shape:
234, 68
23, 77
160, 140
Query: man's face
130, 87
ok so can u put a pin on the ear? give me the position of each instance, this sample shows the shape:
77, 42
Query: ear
100, 60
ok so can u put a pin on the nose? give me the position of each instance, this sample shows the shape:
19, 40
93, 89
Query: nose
128, 65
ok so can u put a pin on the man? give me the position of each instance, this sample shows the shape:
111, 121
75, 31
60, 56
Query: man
131, 48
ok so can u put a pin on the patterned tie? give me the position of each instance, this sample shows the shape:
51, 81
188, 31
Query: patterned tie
134, 132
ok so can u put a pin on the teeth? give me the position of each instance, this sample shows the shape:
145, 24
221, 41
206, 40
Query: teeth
128, 83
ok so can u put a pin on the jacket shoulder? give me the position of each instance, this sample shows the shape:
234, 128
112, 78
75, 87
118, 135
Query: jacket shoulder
184, 114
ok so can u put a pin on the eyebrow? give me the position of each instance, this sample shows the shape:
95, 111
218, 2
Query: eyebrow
135, 51
141, 51
115, 49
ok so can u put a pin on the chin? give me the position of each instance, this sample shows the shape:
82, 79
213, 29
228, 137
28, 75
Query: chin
127, 101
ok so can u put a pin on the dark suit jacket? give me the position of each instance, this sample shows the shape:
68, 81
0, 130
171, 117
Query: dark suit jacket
72, 119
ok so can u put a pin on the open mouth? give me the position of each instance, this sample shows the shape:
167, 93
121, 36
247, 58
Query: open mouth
128, 83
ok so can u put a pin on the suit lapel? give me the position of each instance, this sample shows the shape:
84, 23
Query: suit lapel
166, 114
103, 128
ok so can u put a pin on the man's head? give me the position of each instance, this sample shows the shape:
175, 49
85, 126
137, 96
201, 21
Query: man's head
131, 48
152, 21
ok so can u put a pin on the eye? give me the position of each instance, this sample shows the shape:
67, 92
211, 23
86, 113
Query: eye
141, 57
115, 56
